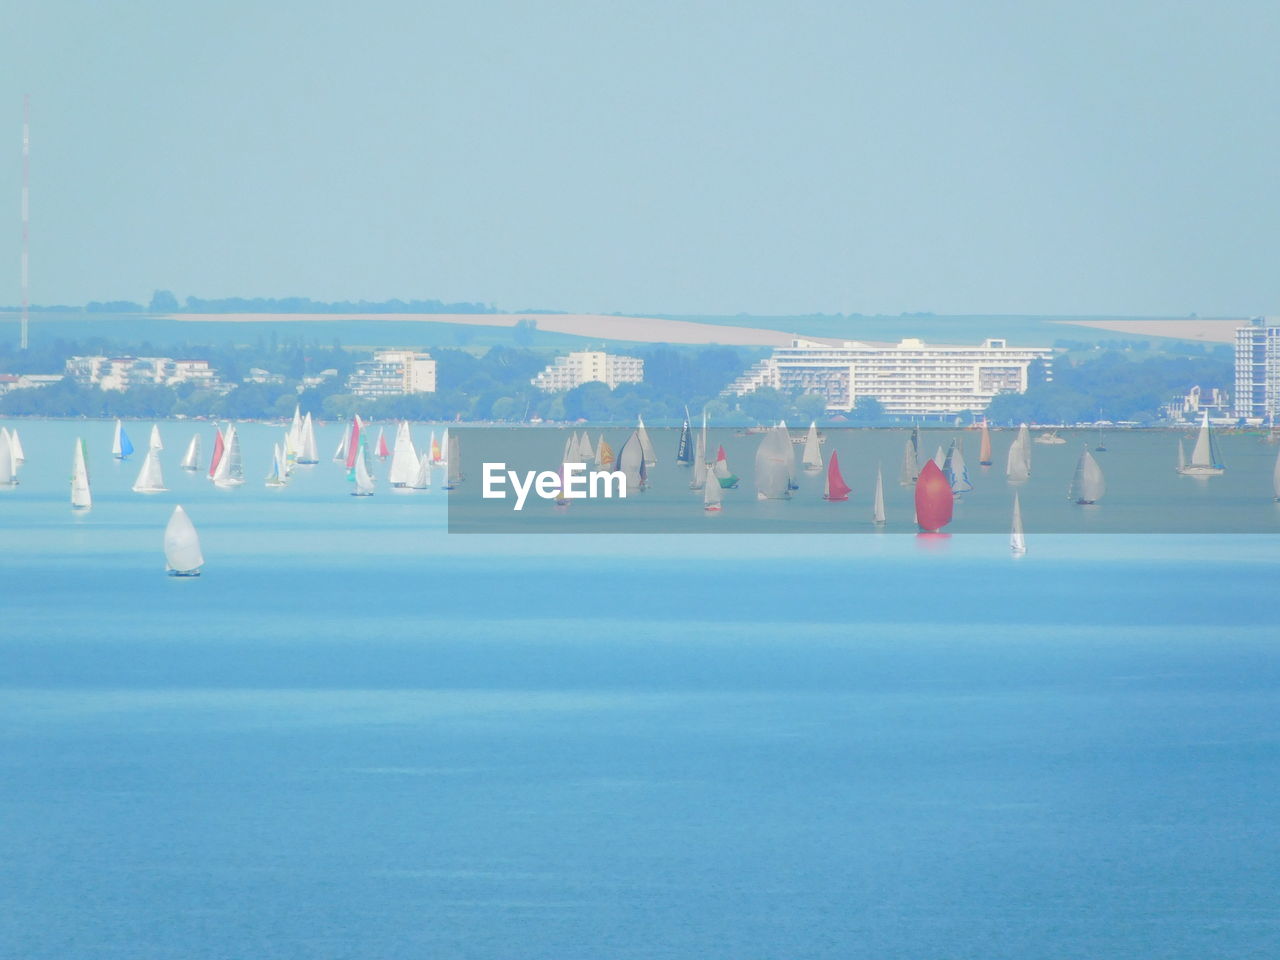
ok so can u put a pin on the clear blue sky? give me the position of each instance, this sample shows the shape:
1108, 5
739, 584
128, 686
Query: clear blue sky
682, 157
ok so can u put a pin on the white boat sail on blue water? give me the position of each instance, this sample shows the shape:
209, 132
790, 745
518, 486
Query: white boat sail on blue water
877, 504
1205, 460
812, 456
15, 444
422, 479
630, 461
182, 556
81, 497
363, 478
404, 458
191, 459
150, 477
155, 443
1017, 540
8, 469
650, 458
1088, 485
230, 469
308, 453
775, 465
1018, 468
954, 469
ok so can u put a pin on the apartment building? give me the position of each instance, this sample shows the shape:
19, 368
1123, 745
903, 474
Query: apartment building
393, 373
589, 366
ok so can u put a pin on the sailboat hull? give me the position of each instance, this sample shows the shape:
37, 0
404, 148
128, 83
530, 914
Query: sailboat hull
184, 573
1197, 471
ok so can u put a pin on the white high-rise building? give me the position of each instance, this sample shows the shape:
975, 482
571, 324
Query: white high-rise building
589, 366
911, 378
1257, 393
393, 373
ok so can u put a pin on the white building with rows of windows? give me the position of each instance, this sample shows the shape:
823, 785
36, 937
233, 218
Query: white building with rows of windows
589, 366
393, 373
911, 378
1257, 395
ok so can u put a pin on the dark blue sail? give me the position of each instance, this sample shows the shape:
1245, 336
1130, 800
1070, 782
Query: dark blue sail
684, 453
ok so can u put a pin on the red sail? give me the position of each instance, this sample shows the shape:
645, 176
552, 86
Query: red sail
217, 451
837, 489
720, 454
383, 452
354, 446
934, 499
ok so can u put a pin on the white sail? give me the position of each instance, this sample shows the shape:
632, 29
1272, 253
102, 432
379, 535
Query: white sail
307, 451
156, 443
230, 470
8, 475
340, 455
279, 470
650, 458
81, 498
150, 478
712, 495
910, 468
1088, 485
293, 440
812, 458
422, 479
700, 465
182, 554
1200, 456
191, 459
1018, 468
630, 461
955, 470
1017, 542
115, 441
404, 458
453, 470
940, 458
15, 445
364, 479
877, 505
775, 458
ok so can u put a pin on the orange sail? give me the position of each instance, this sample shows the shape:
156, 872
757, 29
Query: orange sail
836, 488
934, 499
984, 452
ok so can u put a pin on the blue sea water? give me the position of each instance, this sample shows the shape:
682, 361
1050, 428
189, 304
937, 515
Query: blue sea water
358, 736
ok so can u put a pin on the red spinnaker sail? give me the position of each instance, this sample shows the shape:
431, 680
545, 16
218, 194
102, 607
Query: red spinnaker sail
934, 499
383, 452
217, 451
837, 489
354, 446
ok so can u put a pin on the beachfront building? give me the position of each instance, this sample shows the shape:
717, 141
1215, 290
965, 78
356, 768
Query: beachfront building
27, 381
589, 366
911, 378
1190, 406
1258, 369
121, 373
393, 373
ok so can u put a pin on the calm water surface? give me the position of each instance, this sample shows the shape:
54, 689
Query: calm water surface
357, 736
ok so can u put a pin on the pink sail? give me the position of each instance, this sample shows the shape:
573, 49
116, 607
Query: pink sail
934, 499
354, 446
836, 488
217, 451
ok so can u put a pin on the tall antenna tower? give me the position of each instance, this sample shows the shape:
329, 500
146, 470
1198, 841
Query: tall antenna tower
26, 209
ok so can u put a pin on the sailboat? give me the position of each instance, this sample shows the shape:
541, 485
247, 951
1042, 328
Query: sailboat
81, 498
354, 444
1088, 485
835, 488
812, 456
775, 465
219, 448
15, 445
910, 466
230, 469
650, 458
150, 478
182, 556
307, 450
422, 479
156, 443
712, 497
278, 476
1018, 468
191, 459
684, 449
728, 479
8, 470
584, 452
121, 446
436, 456
701, 467
984, 449
631, 463
381, 447
877, 504
404, 461
934, 499
452, 469
293, 438
1050, 437
1017, 542
604, 453
363, 478
954, 469
1205, 459
340, 455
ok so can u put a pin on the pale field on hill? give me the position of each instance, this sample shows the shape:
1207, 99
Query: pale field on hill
1210, 330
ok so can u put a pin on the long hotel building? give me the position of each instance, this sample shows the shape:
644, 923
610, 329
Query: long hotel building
1257, 394
911, 378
